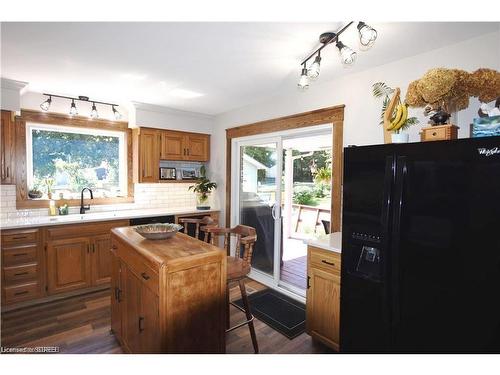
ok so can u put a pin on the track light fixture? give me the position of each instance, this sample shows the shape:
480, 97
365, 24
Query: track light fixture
367, 34
347, 55
367, 37
304, 80
46, 104
93, 112
73, 111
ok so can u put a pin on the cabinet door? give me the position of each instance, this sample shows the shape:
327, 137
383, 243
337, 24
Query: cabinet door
7, 138
149, 325
116, 296
101, 259
173, 146
132, 311
198, 147
149, 160
323, 306
68, 264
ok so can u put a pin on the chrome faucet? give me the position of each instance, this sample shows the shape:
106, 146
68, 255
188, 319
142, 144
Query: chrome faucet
82, 207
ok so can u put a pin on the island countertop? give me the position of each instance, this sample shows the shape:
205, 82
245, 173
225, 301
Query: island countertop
169, 251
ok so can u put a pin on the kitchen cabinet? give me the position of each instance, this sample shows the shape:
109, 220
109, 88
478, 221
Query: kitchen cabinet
22, 265
68, 264
79, 255
173, 145
7, 151
323, 296
146, 149
177, 145
173, 294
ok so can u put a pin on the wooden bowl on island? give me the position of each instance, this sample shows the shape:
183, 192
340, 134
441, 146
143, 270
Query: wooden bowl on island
158, 231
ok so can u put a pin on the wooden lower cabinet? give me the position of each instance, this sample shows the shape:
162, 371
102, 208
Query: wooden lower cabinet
68, 264
101, 259
323, 296
166, 300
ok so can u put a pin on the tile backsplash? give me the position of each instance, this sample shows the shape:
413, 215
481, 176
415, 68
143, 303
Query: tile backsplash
162, 195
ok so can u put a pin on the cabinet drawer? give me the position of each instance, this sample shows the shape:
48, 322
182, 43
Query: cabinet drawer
324, 259
22, 292
20, 237
19, 255
17, 274
137, 265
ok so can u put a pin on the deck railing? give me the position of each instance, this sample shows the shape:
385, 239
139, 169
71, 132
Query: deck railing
317, 210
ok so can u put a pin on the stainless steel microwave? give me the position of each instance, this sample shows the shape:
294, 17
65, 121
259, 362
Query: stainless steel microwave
167, 173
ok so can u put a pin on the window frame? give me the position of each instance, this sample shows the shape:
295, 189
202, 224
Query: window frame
76, 122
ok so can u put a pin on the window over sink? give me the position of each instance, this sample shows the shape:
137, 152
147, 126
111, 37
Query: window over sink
65, 159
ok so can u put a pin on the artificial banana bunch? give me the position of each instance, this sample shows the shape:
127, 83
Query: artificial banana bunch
400, 118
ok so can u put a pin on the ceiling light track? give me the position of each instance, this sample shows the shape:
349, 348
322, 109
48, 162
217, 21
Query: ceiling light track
367, 37
74, 111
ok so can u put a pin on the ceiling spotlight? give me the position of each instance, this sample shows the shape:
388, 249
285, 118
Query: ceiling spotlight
304, 81
347, 55
117, 115
93, 112
46, 104
73, 111
313, 71
367, 34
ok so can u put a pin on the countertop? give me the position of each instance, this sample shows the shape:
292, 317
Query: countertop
330, 242
41, 221
162, 252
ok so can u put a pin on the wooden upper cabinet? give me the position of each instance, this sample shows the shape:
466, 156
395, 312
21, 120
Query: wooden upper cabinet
198, 147
7, 151
101, 259
173, 146
149, 155
68, 264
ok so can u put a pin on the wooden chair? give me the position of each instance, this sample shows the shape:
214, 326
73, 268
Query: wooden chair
202, 223
238, 267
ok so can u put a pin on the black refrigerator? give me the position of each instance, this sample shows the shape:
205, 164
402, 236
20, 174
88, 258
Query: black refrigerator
421, 248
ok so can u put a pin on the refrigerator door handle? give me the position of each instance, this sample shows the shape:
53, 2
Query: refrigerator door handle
401, 179
390, 177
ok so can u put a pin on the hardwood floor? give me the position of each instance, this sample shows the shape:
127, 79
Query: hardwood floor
81, 324
294, 271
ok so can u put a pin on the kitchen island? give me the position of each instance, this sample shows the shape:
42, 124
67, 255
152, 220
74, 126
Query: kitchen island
167, 296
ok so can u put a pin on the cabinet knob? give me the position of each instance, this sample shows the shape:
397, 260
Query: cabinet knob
145, 276
141, 323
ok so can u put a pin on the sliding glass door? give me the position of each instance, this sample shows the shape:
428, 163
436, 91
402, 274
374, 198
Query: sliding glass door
258, 197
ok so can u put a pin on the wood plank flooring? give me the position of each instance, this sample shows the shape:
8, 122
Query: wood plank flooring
294, 271
81, 324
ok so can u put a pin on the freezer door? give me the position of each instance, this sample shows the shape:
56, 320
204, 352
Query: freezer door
446, 248
364, 308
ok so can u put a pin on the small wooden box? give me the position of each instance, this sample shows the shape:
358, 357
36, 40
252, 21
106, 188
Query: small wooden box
439, 133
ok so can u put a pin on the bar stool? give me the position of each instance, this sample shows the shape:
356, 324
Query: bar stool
204, 222
238, 267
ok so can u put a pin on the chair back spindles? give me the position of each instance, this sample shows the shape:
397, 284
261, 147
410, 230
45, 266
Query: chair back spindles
202, 224
245, 238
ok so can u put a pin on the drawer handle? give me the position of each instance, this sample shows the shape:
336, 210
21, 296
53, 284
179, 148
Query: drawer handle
141, 323
19, 238
329, 263
21, 273
20, 293
114, 247
145, 276
19, 254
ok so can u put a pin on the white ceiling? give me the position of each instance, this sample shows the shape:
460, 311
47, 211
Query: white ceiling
230, 64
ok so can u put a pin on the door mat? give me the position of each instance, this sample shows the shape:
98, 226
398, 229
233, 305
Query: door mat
278, 311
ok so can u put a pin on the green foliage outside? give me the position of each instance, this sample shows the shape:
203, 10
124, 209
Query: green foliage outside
74, 157
304, 197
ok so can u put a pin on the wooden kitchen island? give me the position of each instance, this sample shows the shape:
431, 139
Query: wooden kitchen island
167, 296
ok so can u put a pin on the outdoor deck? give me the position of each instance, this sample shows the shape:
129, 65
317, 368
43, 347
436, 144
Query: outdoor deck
294, 268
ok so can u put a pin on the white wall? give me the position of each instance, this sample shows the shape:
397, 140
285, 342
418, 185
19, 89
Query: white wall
10, 94
162, 117
362, 111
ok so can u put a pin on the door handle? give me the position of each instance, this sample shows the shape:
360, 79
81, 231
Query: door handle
308, 282
118, 294
273, 211
93, 247
141, 323
88, 248
145, 276
8, 172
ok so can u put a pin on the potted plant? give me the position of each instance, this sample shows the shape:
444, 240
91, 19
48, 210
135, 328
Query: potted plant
49, 182
35, 193
203, 188
394, 116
